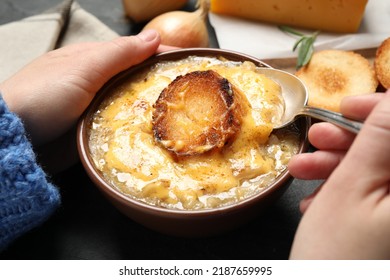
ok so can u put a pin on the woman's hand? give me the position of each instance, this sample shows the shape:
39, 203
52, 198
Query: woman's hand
349, 216
51, 93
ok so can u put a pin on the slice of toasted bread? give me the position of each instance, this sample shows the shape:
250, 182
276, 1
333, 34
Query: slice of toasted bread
196, 113
333, 74
382, 63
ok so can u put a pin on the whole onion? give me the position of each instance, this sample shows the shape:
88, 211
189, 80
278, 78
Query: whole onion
183, 29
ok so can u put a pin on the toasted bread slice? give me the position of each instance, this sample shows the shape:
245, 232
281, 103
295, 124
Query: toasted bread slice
196, 113
333, 74
382, 63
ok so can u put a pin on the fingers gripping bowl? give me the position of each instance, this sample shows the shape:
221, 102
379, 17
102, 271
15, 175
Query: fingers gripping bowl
183, 143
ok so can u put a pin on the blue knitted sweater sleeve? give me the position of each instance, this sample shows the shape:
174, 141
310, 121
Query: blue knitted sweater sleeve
27, 199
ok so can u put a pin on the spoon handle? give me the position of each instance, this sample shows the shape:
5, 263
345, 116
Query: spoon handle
332, 117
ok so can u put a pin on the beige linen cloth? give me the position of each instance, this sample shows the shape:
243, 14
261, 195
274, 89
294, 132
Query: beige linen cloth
26, 39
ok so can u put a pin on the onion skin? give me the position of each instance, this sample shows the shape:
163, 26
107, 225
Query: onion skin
182, 29
143, 10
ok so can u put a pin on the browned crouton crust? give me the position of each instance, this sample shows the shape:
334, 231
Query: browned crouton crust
334, 74
382, 63
196, 113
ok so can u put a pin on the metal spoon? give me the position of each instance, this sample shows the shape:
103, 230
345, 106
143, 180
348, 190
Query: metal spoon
295, 95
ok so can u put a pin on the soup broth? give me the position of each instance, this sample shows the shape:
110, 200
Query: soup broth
124, 149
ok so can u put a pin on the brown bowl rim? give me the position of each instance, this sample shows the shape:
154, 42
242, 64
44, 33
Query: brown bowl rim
111, 191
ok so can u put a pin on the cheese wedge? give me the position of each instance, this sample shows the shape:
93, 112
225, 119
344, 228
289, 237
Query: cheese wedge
342, 16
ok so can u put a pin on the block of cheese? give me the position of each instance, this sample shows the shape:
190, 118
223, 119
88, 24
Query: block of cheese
342, 16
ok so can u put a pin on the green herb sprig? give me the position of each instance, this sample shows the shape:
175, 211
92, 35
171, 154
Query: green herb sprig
304, 44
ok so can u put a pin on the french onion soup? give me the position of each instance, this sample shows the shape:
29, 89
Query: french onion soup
195, 133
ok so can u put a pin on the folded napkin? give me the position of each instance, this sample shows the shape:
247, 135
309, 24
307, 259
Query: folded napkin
26, 39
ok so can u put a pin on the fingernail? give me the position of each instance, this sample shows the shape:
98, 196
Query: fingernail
148, 35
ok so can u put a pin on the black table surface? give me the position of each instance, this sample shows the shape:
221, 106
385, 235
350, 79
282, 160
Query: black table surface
87, 226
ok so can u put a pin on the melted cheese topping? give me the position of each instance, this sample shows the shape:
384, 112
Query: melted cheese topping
124, 149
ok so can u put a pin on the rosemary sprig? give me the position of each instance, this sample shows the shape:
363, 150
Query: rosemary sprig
304, 44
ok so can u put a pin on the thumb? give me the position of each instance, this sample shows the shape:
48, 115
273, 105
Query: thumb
123, 52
